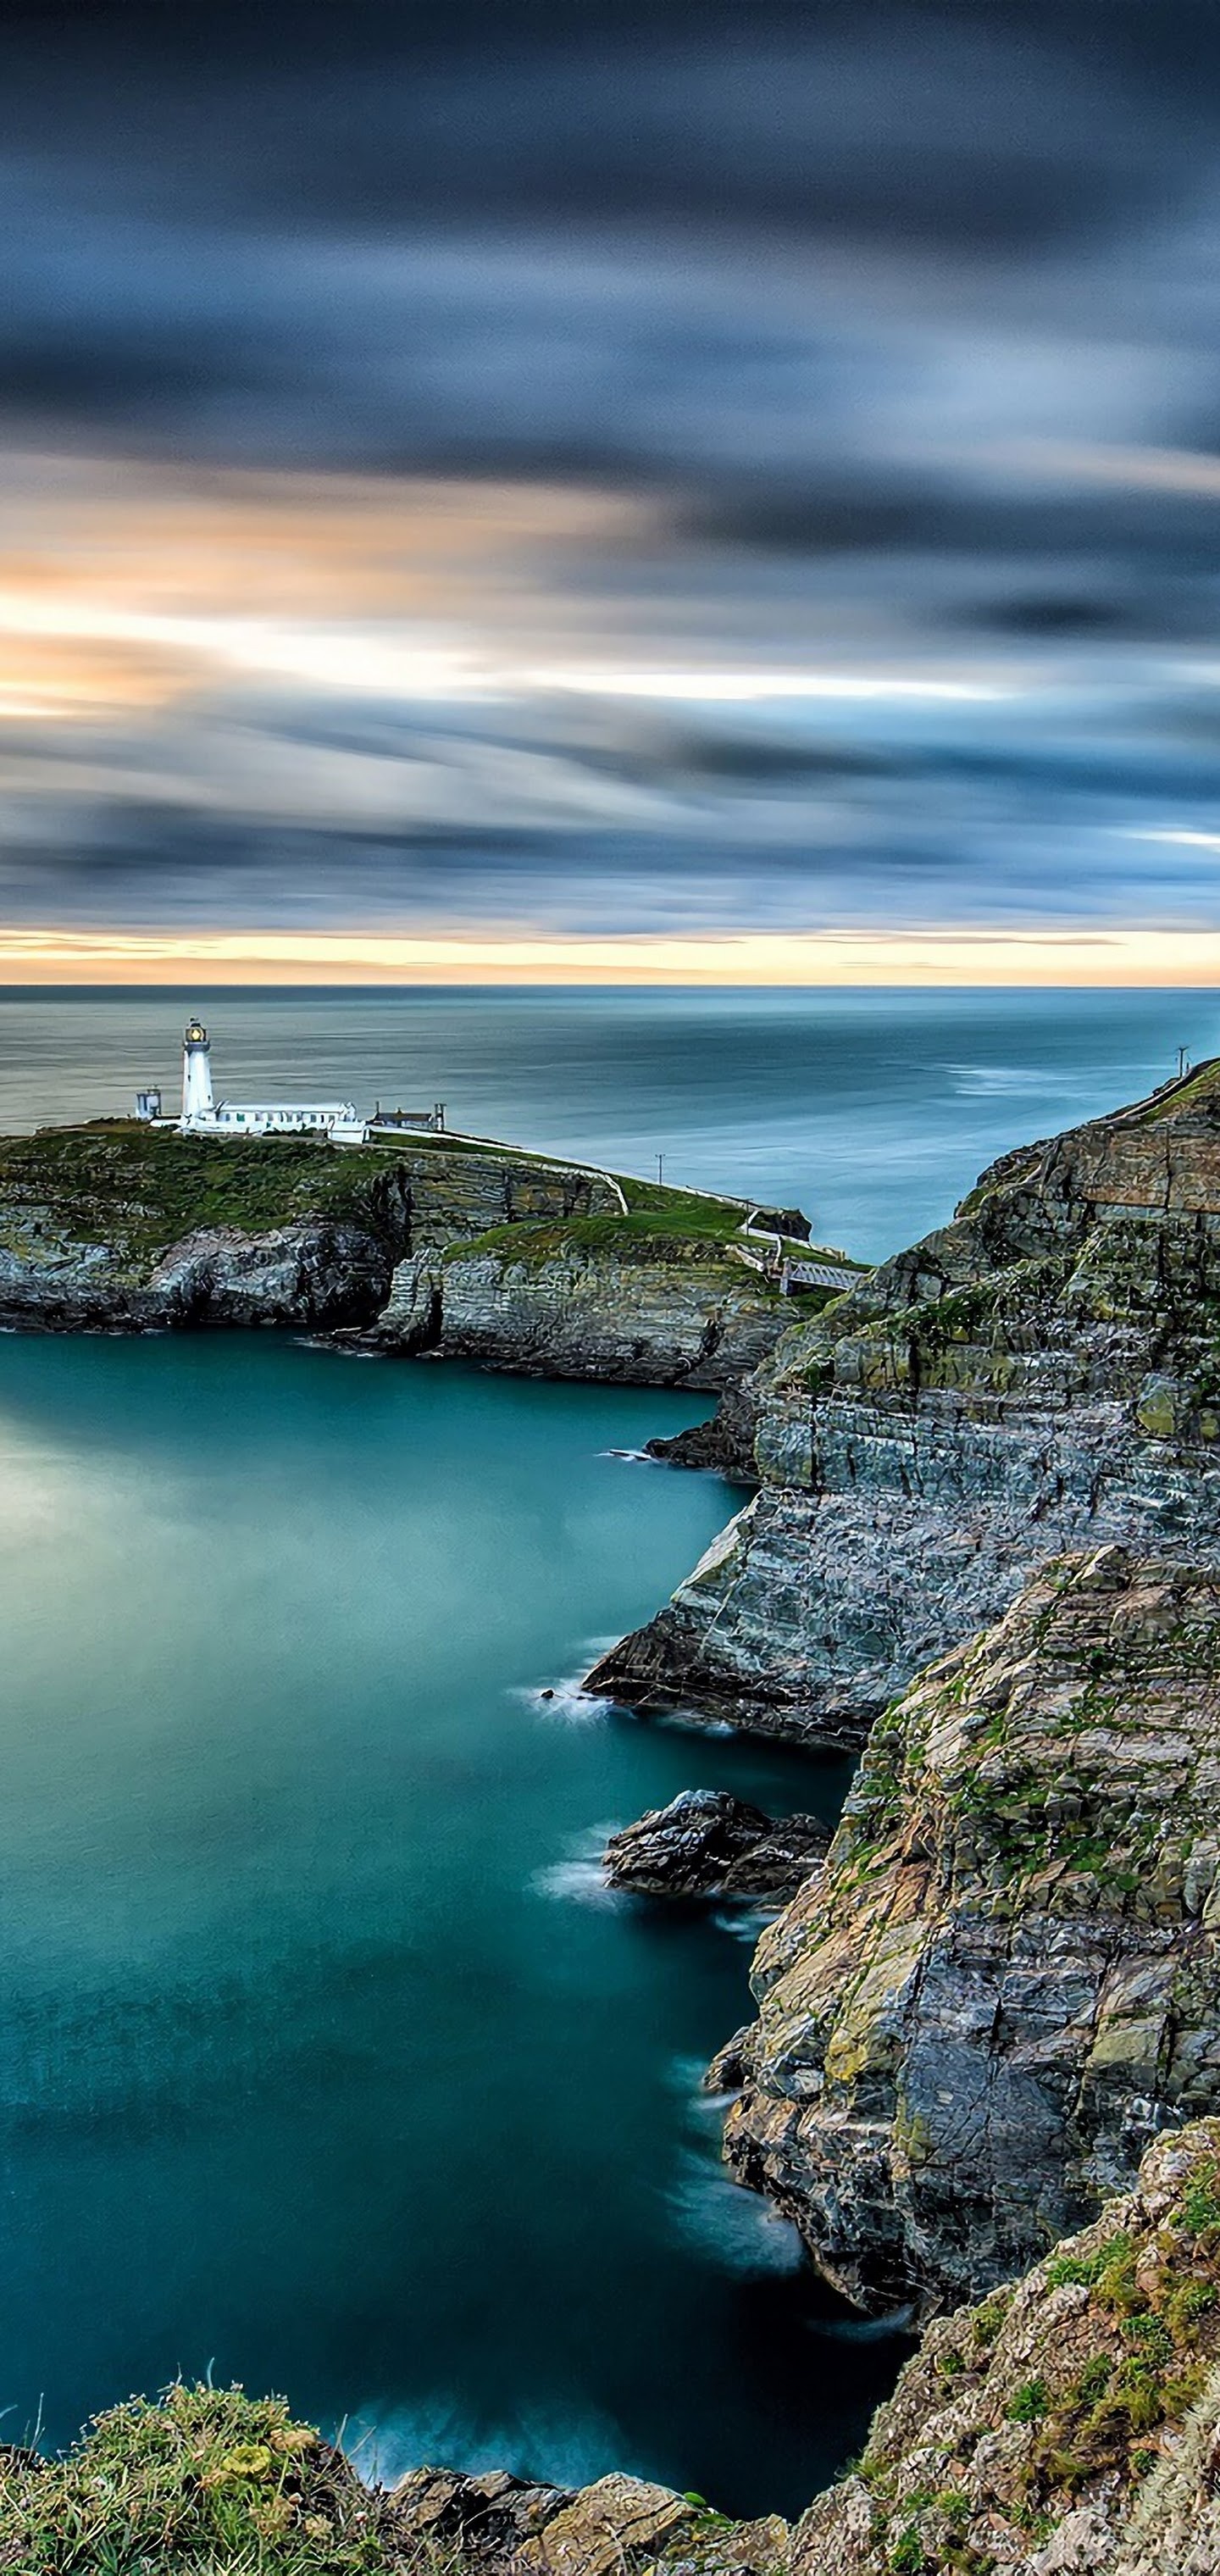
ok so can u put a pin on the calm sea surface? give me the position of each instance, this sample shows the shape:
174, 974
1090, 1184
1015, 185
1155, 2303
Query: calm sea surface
324, 2059
873, 1111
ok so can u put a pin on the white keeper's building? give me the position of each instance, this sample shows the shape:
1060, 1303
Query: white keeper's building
202, 1115
339, 1120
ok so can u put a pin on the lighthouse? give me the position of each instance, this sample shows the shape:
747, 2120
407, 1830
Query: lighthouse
196, 1074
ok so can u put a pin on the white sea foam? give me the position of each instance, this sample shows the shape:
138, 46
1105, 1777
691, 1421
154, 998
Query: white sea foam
999, 1081
745, 1923
704, 2110
565, 1701
566, 2446
334, 1350
900, 2321
580, 1878
691, 1721
737, 2230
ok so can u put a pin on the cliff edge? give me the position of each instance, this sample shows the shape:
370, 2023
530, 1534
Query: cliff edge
1005, 1980
432, 1243
1041, 1374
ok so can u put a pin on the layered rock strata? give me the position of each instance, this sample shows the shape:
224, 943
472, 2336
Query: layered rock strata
1043, 1373
429, 1244
602, 1302
122, 1226
1006, 1977
707, 1843
1069, 2426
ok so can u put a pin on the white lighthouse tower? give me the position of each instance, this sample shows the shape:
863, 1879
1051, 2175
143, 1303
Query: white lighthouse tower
196, 1074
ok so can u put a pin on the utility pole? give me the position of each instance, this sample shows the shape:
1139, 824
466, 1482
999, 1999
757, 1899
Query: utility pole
660, 1171
1183, 1062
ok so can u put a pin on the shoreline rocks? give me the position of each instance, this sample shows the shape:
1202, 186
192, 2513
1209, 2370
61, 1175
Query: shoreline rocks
619, 2526
124, 1227
706, 1843
1069, 2425
441, 1246
1006, 1978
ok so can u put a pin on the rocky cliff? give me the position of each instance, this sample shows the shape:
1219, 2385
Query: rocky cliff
430, 1243
1068, 2426
1006, 1977
1042, 1373
609, 1298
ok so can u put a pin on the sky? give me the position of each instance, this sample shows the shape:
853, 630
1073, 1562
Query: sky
510, 491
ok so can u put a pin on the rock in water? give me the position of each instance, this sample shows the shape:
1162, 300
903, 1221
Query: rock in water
1006, 1977
706, 1843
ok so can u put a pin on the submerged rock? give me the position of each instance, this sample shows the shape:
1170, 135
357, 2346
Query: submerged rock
1006, 1977
707, 1843
1042, 1374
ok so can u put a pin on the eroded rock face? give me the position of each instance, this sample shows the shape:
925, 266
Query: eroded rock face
560, 1309
123, 1227
1006, 1977
620, 2526
805, 1616
708, 1843
1042, 1374
315, 1273
1068, 2426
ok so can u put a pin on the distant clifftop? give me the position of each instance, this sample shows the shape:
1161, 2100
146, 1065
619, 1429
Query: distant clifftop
428, 1242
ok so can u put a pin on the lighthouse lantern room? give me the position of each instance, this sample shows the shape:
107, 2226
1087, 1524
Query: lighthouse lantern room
204, 1116
196, 1074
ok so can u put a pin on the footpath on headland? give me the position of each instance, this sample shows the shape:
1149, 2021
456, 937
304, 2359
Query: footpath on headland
420, 1243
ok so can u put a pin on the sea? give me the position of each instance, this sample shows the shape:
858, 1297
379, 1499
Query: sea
327, 2061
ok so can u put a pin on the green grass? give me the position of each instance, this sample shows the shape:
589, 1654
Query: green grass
1200, 1084
652, 1237
694, 1211
139, 1189
203, 2482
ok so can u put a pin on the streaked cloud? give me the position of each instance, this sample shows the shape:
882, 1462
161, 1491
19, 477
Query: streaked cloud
693, 481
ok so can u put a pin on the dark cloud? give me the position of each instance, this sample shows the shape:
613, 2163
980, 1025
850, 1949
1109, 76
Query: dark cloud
897, 321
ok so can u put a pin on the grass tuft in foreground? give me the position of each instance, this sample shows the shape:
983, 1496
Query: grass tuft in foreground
201, 2482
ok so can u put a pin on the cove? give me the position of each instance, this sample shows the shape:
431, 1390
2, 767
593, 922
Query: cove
324, 2061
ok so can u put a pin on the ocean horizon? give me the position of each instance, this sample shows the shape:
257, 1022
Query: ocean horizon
873, 1109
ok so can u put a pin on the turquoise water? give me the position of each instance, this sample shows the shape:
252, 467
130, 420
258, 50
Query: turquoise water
873, 1110
323, 2059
